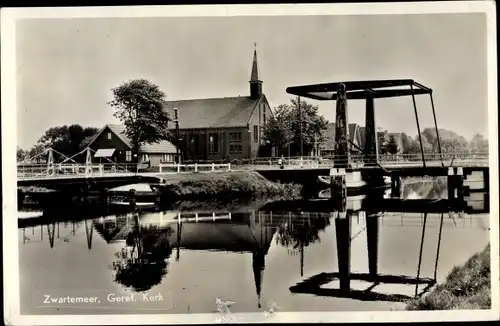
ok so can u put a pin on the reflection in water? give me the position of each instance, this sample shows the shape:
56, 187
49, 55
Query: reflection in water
142, 263
187, 254
297, 232
343, 233
414, 188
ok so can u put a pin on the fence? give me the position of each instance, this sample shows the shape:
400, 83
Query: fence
163, 168
26, 170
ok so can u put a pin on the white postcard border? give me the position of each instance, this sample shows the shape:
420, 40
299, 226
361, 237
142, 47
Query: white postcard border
9, 174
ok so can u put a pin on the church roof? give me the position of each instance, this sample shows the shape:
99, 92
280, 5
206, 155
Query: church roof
214, 112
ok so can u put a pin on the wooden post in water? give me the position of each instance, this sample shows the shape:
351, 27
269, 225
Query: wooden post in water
460, 185
105, 196
132, 198
179, 230
395, 185
486, 180
343, 237
20, 198
372, 232
338, 189
451, 184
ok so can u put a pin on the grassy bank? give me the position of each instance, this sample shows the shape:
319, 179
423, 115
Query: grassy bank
236, 184
466, 287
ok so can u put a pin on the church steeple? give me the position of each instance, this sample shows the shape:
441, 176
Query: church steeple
255, 83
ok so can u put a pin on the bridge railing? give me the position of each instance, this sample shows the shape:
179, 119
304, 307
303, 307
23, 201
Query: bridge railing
41, 170
448, 159
26, 171
196, 167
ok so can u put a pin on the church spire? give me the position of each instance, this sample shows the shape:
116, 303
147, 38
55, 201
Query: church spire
255, 68
255, 83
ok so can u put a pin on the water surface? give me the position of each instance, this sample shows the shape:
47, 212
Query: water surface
254, 257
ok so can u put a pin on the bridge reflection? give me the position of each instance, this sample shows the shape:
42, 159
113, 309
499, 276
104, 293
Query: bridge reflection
344, 237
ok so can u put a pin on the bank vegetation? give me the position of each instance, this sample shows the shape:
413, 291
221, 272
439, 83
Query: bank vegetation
466, 287
235, 184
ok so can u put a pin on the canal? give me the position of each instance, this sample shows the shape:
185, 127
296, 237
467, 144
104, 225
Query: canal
257, 255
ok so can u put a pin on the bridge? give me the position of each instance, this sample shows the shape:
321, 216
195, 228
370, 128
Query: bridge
305, 171
358, 167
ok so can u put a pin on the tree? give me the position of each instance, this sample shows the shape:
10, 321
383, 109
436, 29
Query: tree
278, 128
382, 139
312, 124
479, 144
21, 154
392, 145
414, 147
405, 142
34, 151
285, 128
67, 140
140, 106
451, 142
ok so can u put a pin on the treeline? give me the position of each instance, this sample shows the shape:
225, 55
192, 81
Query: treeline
68, 140
450, 142
138, 104
291, 124
290, 127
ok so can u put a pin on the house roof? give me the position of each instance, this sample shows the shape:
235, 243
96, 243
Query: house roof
119, 130
214, 112
330, 134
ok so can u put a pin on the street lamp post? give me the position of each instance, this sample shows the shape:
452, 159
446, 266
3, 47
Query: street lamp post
176, 119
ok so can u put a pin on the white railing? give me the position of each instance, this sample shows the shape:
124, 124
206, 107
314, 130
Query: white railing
40, 171
196, 167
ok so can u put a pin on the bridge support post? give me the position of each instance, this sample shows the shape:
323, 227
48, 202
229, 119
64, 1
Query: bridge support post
395, 185
50, 162
486, 180
460, 185
342, 153
132, 199
105, 196
343, 237
20, 198
372, 232
455, 185
88, 163
338, 188
371, 140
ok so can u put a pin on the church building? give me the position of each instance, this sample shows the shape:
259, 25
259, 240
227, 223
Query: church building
223, 129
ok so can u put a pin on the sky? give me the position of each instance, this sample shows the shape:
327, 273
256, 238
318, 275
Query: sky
66, 68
